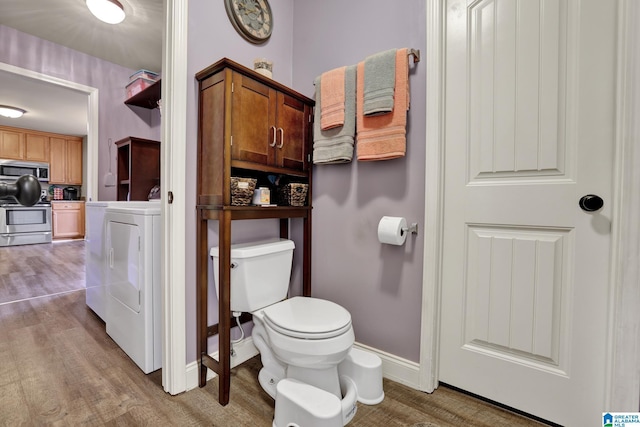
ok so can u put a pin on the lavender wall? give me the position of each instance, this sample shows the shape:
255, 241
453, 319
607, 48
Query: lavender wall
210, 38
116, 120
379, 284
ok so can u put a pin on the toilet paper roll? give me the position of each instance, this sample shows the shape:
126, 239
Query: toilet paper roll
391, 230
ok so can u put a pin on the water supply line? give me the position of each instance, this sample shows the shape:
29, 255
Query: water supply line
237, 315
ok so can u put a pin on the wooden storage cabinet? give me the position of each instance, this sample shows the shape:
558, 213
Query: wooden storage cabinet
138, 167
65, 164
68, 220
36, 148
24, 144
11, 144
268, 126
249, 125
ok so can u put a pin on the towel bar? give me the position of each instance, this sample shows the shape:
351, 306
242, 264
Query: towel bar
410, 52
416, 55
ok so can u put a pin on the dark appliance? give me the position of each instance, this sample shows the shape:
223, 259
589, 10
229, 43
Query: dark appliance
70, 193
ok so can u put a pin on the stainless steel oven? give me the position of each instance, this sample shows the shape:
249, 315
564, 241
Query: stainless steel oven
22, 225
10, 170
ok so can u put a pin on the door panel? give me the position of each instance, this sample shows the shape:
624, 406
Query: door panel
293, 119
253, 131
529, 125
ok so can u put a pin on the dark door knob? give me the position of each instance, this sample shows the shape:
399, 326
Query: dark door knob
591, 203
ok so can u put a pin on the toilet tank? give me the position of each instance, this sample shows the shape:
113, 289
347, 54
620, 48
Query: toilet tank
260, 273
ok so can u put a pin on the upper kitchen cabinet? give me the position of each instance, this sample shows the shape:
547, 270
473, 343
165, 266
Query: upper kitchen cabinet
11, 144
65, 160
269, 123
23, 144
36, 147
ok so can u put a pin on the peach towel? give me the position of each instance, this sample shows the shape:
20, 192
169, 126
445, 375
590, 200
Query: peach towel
384, 137
332, 96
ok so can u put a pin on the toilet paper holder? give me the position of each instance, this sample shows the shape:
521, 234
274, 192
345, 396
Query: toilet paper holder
413, 228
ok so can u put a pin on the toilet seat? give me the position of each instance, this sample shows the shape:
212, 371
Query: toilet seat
308, 318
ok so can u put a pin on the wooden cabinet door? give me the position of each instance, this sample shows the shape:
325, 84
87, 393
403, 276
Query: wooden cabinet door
58, 160
68, 220
36, 148
292, 132
74, 161
252, 121
65, 161
11, 145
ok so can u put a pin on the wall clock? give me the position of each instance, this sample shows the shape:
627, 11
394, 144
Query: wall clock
251, 18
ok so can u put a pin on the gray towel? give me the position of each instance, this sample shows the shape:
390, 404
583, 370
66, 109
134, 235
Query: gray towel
379, 82
336, 145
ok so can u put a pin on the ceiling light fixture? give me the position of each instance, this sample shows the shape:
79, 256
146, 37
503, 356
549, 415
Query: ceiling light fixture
109, 11
11, 112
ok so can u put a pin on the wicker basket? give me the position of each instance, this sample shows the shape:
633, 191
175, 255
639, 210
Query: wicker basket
293, 194
242, 191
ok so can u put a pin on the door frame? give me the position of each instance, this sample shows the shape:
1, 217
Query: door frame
90, 147
623, 389
173, 180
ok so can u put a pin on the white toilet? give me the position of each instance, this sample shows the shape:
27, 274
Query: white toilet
304, 342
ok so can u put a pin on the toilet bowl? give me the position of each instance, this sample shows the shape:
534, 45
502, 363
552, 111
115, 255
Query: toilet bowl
306, 341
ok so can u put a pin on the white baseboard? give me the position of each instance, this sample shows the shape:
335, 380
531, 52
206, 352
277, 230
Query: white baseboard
393, 367
396, 368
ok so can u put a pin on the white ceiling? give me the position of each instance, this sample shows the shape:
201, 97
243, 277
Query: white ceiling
136, 43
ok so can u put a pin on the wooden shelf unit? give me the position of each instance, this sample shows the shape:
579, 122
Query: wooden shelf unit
223, 106
138, 167
148, 97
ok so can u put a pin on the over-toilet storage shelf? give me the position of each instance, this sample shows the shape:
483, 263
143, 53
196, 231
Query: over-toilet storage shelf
249, 126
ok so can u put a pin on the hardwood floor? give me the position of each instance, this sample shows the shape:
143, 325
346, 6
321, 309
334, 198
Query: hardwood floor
36, 270
59, 367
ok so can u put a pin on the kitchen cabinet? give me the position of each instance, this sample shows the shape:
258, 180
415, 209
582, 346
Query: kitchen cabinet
11, 144
138, 167
65, 154
36, 147
68, 220
24, 144
249, 126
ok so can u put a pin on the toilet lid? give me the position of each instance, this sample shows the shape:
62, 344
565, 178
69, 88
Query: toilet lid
309, 318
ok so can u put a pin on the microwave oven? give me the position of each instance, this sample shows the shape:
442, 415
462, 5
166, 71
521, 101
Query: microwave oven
11, 170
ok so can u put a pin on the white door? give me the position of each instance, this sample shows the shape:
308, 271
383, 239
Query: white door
529, 130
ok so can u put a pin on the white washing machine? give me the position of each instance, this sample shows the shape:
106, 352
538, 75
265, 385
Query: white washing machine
95, 252
94, 257
133, 309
